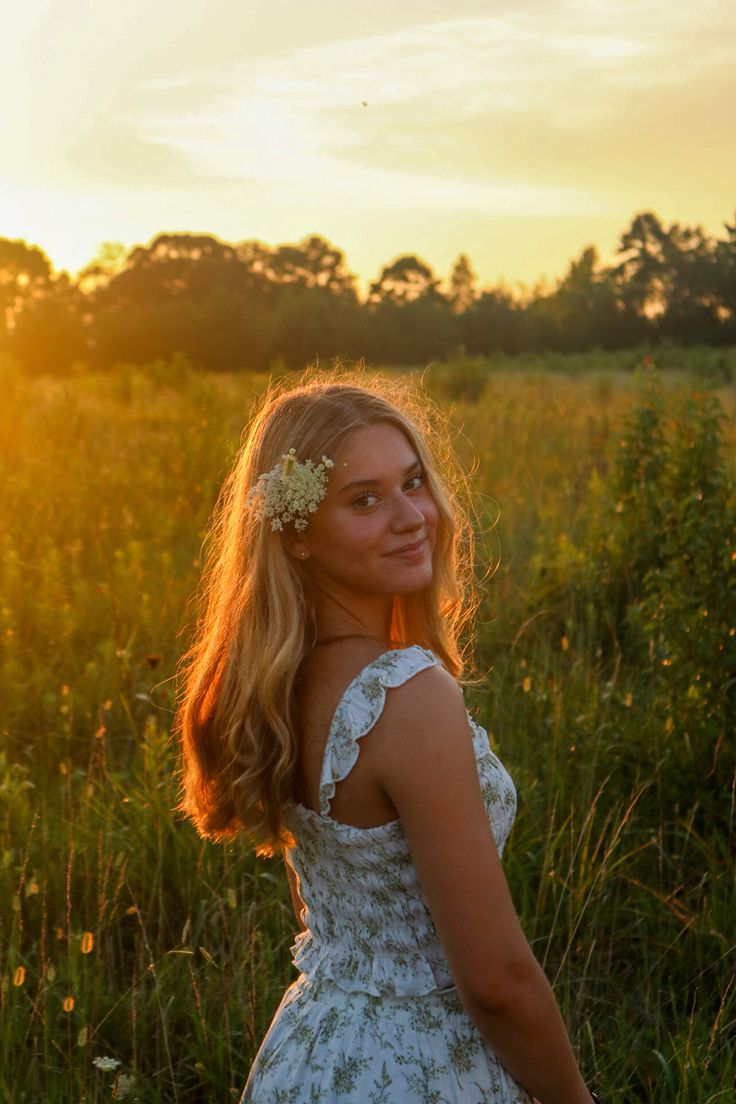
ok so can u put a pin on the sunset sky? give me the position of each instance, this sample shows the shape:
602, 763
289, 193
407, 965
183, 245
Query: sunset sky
517, 133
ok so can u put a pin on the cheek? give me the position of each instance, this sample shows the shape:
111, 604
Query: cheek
353, 545
431, 516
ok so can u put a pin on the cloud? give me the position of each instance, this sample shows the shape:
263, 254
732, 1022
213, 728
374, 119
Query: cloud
449, 114
249, 122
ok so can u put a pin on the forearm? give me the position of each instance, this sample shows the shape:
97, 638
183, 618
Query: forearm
528, 1036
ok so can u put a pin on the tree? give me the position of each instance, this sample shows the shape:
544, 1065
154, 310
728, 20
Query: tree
403, 281
583, 310
311, 324
668, 274
108, 260
48, 333
188, 293
641, 274
725, 282
495, 321
177, 266
25, 272
312, 263
691, 313
461, 294
41, 312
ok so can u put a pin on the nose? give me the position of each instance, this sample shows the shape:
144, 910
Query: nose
407, 516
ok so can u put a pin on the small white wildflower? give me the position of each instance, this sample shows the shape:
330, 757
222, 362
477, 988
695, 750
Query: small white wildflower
290, 491
123, 1086
107, 1065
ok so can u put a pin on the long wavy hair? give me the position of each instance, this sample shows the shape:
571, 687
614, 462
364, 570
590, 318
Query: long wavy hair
237, 715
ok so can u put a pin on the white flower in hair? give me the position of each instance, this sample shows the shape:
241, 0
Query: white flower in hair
291, 491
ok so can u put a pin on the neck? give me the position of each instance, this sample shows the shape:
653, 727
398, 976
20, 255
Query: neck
334, 617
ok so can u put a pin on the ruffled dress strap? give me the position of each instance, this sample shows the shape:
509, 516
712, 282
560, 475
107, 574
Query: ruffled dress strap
360, 708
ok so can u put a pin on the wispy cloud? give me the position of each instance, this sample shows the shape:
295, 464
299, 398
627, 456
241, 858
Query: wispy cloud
426, 133
423, 115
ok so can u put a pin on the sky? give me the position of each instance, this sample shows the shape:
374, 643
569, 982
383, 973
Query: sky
517, 134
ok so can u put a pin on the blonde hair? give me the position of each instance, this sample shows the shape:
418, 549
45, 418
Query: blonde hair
237, 710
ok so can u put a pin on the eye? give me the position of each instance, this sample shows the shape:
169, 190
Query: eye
414, 482
365, 501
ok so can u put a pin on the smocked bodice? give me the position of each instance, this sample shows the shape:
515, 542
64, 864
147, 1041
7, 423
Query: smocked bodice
368, 927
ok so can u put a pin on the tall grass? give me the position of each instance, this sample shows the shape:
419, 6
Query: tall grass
124, 936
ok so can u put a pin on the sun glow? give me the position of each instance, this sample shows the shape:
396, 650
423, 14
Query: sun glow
516, 137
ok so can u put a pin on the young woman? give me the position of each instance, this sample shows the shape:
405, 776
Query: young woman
320, 716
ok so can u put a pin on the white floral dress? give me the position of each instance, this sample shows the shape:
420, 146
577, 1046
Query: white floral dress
374, 1017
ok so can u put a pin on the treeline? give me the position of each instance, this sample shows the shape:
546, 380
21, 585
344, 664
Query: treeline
248, 305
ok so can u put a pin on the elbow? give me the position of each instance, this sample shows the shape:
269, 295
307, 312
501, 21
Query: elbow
502, 988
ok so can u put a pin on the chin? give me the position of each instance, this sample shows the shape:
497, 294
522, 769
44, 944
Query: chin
421, 581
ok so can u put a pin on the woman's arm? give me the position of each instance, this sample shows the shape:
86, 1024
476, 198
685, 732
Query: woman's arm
430, 775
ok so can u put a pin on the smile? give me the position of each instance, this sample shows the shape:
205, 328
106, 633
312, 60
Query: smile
410, 551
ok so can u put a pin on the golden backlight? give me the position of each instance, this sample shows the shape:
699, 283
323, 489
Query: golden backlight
515, 134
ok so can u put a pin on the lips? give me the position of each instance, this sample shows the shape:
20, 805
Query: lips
409, 549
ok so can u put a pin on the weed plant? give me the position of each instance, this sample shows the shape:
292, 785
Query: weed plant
124, 936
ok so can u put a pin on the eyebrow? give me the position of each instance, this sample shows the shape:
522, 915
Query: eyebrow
372, 481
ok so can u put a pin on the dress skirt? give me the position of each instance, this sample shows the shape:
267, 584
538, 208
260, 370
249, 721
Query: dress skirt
329, 1046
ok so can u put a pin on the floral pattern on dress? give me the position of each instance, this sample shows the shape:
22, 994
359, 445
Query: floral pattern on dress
374, 1017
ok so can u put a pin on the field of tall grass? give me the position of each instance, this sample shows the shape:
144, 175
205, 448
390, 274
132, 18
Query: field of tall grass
606, 645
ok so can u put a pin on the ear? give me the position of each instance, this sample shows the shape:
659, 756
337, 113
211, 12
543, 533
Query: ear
298, 549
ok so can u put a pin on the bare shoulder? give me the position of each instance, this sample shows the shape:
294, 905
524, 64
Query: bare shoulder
426, 690
426, 709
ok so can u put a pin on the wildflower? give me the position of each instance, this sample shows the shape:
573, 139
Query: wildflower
290, 491
124, 1086
88, 942
107, 1065
19, 976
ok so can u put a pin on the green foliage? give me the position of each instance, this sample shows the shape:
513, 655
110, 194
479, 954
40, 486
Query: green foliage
124, 935
234, 307
650, 576
461, 378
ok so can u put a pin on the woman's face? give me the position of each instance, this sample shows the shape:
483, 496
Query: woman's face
374, 532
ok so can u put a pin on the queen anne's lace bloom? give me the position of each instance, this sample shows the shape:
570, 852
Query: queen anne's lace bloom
107, 1065
290, 491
